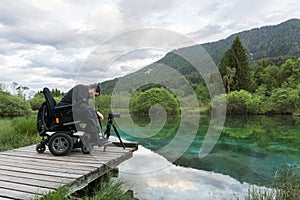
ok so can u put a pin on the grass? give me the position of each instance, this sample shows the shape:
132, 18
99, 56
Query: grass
109, 189
17, 132
288, 183
60, 193
261, 194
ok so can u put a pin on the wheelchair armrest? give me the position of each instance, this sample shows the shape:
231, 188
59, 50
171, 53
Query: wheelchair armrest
65, 112
62, 108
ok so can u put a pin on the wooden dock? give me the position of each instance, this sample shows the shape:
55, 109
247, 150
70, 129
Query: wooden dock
25, 174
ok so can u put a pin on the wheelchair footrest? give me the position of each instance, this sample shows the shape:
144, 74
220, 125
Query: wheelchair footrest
79, 133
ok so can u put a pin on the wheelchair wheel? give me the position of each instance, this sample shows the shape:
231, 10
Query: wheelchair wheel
60, 144
85, 150
40, 148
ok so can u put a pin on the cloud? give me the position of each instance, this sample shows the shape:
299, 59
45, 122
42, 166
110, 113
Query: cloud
222, 19
59, 35
205, 33
139, 9
13, 13
103, 65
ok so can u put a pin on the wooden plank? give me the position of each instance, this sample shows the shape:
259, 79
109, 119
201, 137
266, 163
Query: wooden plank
68, 158
48, 178
43, 172
132, 145
57, 166
16, 194
75, 165
41, 159
3, 198
24, 188
30, 181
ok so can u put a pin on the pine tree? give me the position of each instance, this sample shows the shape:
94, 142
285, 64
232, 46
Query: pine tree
234, 68
224, 70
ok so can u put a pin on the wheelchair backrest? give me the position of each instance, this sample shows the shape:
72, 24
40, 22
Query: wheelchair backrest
50, 102
45, 116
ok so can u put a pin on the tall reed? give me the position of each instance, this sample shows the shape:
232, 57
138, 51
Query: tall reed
286, 186
17, 132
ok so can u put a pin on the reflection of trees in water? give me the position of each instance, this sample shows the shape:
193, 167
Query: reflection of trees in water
264, 131
250, 149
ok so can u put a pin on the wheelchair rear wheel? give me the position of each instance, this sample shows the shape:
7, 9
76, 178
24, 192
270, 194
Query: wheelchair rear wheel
60, 144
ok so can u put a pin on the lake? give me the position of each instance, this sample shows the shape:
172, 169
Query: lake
250, 149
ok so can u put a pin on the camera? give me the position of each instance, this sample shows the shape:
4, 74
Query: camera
112, 115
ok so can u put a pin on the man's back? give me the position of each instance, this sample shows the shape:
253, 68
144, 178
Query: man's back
77, 95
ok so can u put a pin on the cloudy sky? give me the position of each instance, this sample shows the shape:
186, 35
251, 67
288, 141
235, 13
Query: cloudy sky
47, 43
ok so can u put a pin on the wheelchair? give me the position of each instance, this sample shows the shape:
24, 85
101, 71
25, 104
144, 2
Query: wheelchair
57, 128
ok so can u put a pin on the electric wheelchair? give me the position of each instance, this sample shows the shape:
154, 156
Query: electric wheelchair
57, 128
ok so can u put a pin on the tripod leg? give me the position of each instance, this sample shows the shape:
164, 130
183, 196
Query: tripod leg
117, 133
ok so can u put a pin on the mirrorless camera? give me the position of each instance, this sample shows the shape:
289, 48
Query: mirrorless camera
112, 115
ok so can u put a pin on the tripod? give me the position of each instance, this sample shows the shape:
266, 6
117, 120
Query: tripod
108, 128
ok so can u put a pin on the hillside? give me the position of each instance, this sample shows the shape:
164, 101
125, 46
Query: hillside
265, 42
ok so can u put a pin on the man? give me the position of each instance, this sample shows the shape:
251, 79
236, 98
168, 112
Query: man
79, 97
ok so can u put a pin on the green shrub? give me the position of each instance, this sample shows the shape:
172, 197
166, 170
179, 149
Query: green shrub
37, 101
141, 102
237, 102
13, 105
284, 101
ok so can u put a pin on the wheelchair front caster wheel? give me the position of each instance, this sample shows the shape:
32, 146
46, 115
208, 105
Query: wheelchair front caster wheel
60, 144
85, 150
40, 148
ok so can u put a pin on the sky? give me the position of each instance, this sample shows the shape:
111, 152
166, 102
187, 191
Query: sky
48, 43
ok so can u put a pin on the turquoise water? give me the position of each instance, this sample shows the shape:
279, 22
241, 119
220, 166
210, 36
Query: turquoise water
249, 149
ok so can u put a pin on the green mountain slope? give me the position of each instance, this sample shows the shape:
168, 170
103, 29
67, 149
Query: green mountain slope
265, 42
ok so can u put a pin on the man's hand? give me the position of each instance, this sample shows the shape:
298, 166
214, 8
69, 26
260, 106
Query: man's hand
100, 116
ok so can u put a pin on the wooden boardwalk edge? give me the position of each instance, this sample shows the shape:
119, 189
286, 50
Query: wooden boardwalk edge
79, 184
26, 174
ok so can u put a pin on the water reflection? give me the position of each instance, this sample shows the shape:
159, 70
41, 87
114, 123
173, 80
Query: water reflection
250, 149
175, 182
